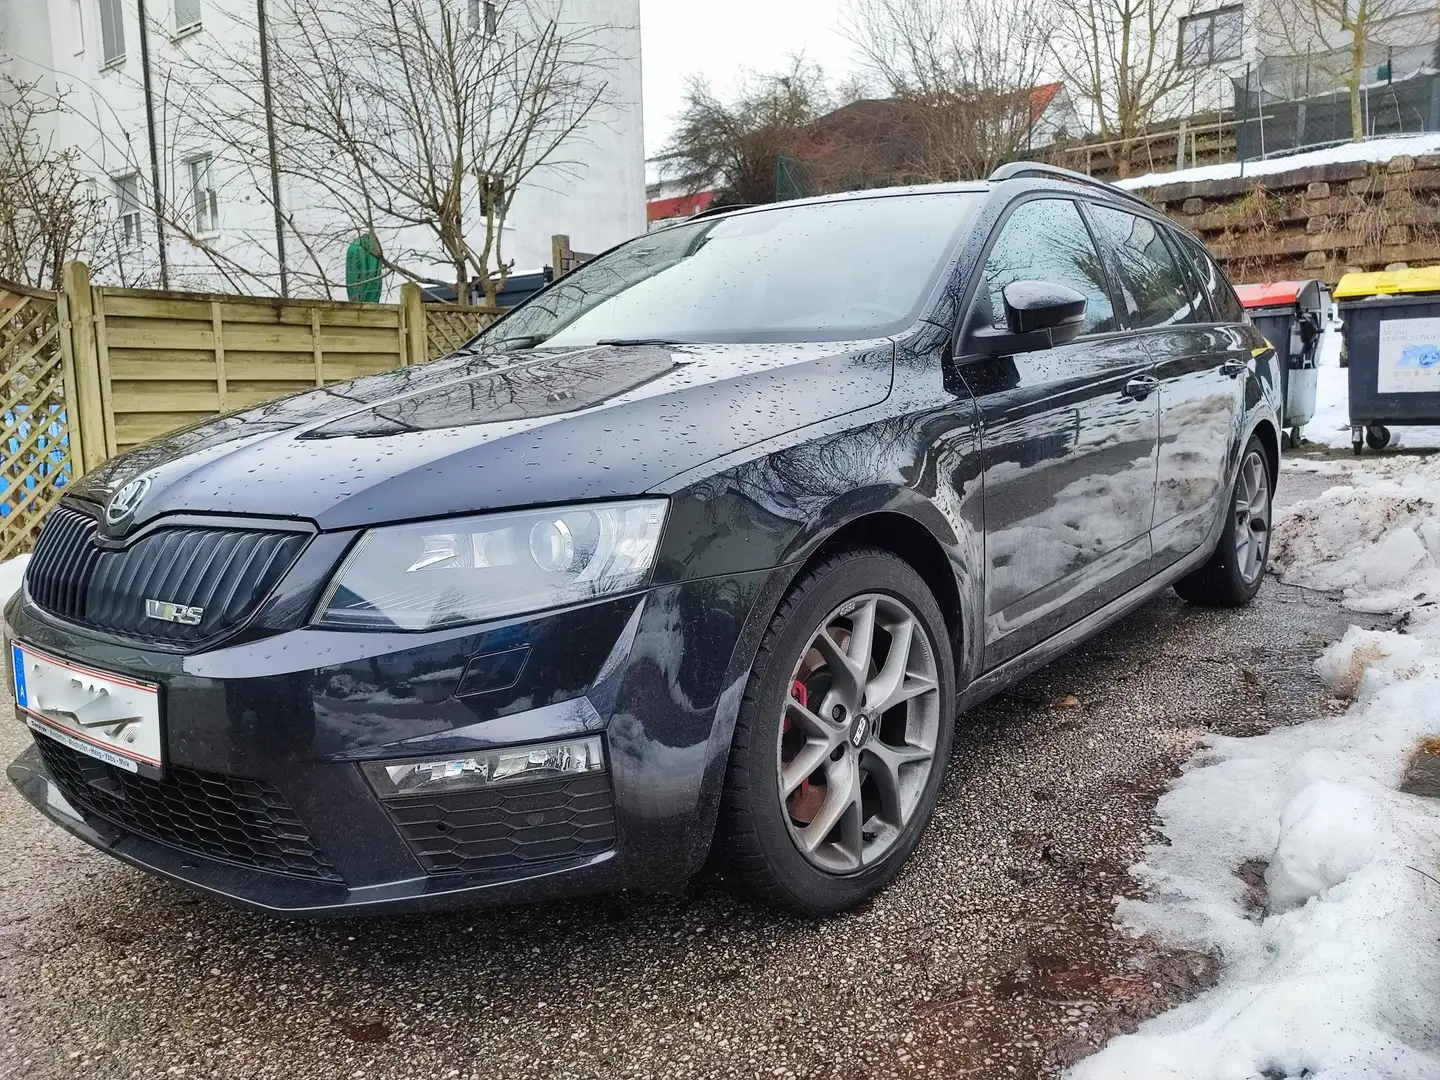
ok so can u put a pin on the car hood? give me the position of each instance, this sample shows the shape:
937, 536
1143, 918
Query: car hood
479, 432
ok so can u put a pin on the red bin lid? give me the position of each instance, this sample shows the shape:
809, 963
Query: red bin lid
1271, 293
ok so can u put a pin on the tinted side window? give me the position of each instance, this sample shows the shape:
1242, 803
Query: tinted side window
1046, 240
1223, 301
1199, 296
1154, 287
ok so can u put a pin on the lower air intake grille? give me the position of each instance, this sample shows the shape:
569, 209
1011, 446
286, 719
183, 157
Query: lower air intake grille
507, 828
238, 821
225, 573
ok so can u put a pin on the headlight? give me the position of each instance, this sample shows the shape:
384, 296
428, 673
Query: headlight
465, 570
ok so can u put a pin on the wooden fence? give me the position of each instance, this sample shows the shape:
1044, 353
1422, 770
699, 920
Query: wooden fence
93, 370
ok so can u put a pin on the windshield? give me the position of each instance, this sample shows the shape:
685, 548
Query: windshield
832, 271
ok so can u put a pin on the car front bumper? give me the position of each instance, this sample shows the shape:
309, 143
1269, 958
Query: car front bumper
264, 742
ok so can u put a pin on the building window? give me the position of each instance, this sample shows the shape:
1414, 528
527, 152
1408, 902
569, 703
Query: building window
204, 203
483, 13
77, 25
187, 15
1209, 36
112, 32
127, 194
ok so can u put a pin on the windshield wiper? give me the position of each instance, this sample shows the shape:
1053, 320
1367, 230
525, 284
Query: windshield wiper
640, 341
520, 341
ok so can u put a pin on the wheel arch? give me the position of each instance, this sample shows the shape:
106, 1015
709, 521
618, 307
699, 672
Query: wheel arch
913, 541
1269, 435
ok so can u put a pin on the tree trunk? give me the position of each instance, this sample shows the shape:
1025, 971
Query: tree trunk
1357, 80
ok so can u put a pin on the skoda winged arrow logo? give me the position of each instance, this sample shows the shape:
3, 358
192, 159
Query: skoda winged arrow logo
123, 503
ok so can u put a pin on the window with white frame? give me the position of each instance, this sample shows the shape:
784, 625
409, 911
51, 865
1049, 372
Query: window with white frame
127, 195
1210, 36
204, 203
77, 25
187, 15
112, 31
485, 15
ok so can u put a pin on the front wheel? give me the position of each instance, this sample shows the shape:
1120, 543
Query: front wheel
842, 737
1233, 574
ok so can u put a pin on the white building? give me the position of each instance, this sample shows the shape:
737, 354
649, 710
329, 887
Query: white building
1285, 48
217, 216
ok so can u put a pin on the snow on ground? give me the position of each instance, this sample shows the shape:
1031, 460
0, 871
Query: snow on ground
1374, 150
1337, 976
11, 571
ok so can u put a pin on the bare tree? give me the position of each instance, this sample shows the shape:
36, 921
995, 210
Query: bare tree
1339, 39
50, 212
735, 146
968, 70
1120, 58
415, 121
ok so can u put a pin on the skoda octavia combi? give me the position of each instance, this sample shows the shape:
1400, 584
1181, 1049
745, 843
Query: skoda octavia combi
703, 550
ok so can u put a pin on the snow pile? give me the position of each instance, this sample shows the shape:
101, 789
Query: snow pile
1373, 150
11, 571
1338, 977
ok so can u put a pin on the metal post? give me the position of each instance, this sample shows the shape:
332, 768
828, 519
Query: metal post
1244, 119
154, 150
270, 139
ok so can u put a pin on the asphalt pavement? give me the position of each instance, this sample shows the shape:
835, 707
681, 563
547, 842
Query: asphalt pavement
993, 955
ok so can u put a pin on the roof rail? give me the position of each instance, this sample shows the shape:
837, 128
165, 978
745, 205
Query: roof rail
711, 211
1022, 170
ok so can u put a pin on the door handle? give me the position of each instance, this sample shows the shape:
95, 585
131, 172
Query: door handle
1141, 387
1234, 366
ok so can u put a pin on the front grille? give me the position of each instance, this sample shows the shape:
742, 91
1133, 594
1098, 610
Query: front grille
506, 828
238, 821
224, 572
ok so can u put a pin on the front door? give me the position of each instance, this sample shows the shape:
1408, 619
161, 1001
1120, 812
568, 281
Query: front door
1068, 439
1199, 362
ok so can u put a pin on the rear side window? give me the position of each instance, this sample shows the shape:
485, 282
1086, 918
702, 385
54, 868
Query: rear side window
1155, 289
1046, 240
1223, 301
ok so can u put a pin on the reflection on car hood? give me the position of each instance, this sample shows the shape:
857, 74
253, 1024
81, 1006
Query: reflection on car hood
477, 432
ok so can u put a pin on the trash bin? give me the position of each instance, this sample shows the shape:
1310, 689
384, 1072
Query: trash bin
1291, 315
1392, 336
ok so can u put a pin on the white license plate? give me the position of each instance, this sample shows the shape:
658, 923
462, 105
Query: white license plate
110, 717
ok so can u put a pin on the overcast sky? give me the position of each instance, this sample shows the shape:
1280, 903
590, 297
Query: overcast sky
680, 38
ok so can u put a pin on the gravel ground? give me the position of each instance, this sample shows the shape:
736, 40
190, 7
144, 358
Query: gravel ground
992, 956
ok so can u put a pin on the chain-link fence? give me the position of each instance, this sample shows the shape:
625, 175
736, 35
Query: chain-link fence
1287, 104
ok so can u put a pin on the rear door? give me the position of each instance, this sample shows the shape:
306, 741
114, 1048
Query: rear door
1198, 364
1068, 440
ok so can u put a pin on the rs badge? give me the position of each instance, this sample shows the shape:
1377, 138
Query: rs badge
176, 613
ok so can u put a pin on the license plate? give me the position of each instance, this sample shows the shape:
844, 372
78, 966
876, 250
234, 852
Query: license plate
109, 717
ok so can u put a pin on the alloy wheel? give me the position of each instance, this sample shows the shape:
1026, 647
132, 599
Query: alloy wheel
1252, 518
858, 734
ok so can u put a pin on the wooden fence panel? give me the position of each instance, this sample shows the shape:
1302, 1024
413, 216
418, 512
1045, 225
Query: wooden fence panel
448, 326
177, 358
41, 455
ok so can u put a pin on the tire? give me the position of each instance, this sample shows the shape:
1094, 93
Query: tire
1377, 436
1235, 571
778, 734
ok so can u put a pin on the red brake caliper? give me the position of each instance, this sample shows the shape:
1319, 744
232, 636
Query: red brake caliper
799, 801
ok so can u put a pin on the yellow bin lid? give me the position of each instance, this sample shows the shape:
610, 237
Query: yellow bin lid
1421, 279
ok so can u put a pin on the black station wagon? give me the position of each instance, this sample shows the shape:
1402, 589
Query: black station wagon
703, 549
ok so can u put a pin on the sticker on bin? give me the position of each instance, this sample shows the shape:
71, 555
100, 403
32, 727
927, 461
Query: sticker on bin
109, 717
1409, 357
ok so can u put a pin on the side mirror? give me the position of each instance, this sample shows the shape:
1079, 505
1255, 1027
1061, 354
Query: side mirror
1038, 315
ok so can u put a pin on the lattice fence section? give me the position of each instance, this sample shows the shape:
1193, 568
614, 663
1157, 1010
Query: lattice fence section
448, 326
36, 463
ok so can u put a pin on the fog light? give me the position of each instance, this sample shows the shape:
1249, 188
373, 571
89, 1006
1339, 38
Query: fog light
488, 768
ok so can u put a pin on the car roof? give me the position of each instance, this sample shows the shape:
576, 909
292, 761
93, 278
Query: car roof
1033, 174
